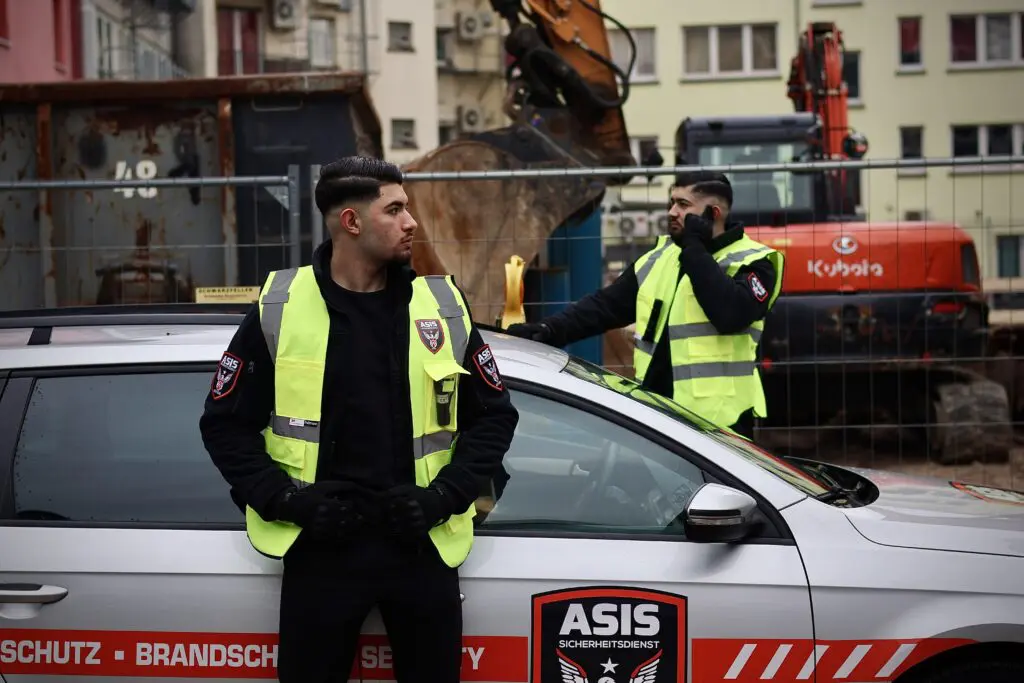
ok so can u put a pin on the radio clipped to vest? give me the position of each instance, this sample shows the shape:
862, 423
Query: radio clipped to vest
443, 391
652, 322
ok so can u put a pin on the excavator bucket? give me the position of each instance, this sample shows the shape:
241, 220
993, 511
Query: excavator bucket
472, 228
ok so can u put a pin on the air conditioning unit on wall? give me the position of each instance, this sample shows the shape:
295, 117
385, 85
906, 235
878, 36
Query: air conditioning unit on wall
468, 26
285, 14
471, 119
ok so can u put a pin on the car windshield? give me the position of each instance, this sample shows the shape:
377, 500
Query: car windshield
792, 472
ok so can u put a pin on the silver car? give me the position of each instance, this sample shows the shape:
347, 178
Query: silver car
632, 544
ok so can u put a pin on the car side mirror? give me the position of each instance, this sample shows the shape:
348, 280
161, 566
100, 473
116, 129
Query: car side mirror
719, 514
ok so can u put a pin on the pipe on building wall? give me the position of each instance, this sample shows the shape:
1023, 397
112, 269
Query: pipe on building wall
364, 49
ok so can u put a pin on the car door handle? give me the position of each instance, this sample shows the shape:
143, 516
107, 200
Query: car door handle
31, 593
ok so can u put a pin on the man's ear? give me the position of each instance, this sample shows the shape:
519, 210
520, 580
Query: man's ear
348, 218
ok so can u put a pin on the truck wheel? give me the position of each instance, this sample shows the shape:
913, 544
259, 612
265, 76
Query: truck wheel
974, 672
972, 422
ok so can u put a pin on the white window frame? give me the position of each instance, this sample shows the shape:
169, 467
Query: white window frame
1017, 138
634, 148
919, 66
980, 38
748, 71
903, 150
398, 144
637, 76
1020, 253
323, 52
398, 28
236, 38
110, 52
857, 101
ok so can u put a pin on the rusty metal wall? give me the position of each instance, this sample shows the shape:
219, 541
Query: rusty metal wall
127, 272
177, 231
21, 266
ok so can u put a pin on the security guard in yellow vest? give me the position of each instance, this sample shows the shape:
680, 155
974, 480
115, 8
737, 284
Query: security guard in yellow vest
357, 415
698, 299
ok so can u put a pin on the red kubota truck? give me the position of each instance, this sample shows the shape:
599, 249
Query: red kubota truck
871, 314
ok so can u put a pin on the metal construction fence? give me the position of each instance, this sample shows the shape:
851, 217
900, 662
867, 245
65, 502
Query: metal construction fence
893, 344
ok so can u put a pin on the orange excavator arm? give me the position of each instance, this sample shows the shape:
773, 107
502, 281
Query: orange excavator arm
563, 55
816, 85
564, 100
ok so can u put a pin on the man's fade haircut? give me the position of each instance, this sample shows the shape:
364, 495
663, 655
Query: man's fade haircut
706, 183
353, 179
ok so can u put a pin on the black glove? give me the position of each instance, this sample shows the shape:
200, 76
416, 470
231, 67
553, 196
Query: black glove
414, 509
540, 332
324, 510
697, 229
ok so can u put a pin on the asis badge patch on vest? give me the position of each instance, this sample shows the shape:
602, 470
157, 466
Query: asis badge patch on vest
227, 375
431, 334
608, 635
488, 367
757, 287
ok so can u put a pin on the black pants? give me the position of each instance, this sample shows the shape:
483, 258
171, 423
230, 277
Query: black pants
327, 593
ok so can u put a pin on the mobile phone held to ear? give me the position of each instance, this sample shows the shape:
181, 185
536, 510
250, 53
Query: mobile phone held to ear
709, 213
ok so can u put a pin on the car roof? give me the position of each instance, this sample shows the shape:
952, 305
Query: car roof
177, 333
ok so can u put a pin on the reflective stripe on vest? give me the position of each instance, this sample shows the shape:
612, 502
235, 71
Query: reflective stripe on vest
713, 375
296, 325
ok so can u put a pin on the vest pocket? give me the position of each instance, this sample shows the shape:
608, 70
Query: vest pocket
441, 396
706, 367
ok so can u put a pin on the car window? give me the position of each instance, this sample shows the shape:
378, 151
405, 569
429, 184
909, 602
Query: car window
119, 448
801, 478
571, 470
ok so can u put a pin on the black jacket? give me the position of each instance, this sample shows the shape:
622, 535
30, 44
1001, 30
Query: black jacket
731, 303
377, 455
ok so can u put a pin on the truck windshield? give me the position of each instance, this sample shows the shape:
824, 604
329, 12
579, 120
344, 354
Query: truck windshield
769, 191
791, 472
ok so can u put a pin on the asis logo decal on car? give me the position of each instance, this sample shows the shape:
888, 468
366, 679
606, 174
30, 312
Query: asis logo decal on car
990, 494
227, 375
608, 634
431, 334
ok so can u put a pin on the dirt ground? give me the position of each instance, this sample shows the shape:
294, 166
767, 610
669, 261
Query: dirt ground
881, 451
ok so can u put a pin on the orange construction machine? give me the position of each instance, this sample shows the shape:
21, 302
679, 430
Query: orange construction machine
877, 322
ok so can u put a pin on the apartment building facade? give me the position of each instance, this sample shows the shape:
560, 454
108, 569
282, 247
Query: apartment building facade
39, 41
933, 78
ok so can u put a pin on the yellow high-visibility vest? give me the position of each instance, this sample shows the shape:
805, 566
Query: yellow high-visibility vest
295, 324
713, 374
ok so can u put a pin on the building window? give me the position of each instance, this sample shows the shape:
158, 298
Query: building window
644, 65
1008, 253
643, 147
106, 51
446, 132
321, 43
986, 39
911, 142
238, 38
399, 36
992, 140
403, 134
445, 43
910, 42
736, 50
851, 74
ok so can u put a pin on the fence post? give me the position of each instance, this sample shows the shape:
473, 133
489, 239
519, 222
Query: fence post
316, 224
294, 215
